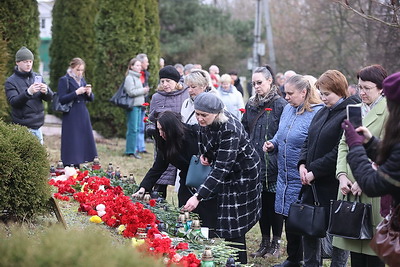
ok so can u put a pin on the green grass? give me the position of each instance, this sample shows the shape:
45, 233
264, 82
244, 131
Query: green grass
111, 150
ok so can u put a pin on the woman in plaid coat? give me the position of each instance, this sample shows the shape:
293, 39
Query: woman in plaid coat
234, 178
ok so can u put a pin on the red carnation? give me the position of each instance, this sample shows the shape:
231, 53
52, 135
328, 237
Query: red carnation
145, 104
182, 245
152, 202
242, 110
146, 119
268, 109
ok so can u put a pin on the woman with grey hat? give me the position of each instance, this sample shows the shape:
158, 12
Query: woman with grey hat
234, 178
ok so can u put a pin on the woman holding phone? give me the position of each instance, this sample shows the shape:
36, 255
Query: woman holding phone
77, 141
374, 114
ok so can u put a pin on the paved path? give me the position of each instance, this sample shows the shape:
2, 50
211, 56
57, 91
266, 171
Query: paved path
52, 126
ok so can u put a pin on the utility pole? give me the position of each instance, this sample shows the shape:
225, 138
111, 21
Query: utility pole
257, 37
270, 40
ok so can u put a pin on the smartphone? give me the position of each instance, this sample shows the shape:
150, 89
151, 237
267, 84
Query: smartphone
88, 85
354, 115
38, 79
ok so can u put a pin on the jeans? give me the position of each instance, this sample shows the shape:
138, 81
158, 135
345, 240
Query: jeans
141, 146
132, 129
38, 133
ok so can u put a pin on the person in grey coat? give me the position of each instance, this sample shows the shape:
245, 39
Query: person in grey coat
170, 96
234, 179
134, 89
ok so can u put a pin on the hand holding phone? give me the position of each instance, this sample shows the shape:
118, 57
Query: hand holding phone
354, 115
38, 79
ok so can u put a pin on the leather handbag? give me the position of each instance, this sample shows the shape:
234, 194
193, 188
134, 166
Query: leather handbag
57, 106
357, 218
197, 172
306, 219
122, 99
386, 241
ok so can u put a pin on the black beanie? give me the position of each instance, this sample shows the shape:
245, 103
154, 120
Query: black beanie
169, 72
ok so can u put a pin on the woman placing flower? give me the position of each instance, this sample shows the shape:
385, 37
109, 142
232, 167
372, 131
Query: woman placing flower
261, 120
234, 179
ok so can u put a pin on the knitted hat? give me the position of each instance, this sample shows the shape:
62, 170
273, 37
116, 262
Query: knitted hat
169, 72
391, 87
208, 102
23, 54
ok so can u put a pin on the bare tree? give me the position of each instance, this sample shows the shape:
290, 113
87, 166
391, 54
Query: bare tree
389, 18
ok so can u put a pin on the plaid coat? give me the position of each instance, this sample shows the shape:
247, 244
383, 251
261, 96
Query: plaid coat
234, 179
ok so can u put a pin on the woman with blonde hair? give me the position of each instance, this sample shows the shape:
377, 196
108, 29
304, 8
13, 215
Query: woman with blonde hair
288, 141
77, 141
134, 88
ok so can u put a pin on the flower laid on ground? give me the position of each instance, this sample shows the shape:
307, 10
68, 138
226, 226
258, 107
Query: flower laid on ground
97, 197
95, 219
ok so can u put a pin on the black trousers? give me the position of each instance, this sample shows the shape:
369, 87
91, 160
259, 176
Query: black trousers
364, 260
294, 246
269, 219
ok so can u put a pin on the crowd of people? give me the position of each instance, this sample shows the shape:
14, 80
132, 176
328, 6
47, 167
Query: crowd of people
292, 133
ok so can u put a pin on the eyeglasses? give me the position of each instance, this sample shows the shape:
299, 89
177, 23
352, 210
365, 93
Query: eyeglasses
364, 89
257, 83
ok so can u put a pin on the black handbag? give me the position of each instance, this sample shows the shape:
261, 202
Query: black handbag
122, 99
306, 219
197, 172
350, 219
57, 106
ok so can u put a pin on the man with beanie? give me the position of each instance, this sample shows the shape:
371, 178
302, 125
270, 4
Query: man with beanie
25, 92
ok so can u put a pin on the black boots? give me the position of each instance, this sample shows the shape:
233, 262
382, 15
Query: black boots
264, 247
274, 249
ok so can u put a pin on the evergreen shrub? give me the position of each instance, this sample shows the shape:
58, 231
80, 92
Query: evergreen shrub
74, 247
24, 169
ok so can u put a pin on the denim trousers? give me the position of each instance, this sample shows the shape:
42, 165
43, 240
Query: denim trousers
38, 133
133, 117
141, 146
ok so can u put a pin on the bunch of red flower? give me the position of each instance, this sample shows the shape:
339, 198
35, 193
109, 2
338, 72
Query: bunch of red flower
120, 210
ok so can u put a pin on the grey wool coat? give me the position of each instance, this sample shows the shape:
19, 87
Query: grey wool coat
234, 180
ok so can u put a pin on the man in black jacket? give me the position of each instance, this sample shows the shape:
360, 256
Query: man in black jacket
25, 92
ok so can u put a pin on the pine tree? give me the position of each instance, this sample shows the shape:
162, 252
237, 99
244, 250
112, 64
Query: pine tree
20, 21
73, 35
120, 35
152, 44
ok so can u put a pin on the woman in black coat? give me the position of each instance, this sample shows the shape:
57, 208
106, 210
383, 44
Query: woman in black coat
77, 141
175, 145
261, 125
317, 163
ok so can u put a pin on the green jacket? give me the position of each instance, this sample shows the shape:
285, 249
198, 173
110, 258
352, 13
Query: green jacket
374, 121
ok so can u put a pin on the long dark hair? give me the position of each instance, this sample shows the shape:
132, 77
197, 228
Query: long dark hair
174, 129
391, 135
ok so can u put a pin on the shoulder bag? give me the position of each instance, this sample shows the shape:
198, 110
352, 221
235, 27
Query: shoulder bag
386, 241
306, 219
197, 172
57, 106
350, 219
122, 99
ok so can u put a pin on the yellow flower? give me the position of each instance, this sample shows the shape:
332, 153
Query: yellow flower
83, 187
96, 219
137, 242
121, 228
